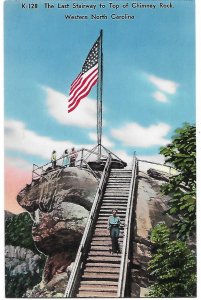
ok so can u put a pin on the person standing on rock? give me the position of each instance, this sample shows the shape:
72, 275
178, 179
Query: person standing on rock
65, 158
73, 156
114, 228
54, 158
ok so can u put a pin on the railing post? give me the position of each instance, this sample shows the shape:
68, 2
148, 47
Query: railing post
126, 239
81, 158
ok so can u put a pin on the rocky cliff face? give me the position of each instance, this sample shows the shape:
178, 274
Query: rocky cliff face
21, 260
59, 204
149, 210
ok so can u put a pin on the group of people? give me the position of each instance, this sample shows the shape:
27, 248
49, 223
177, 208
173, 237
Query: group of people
68, 158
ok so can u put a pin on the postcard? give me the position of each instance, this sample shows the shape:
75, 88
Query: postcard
100, 148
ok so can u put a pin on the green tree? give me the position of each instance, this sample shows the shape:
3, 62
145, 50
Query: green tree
181, 153
18, 231
173, 264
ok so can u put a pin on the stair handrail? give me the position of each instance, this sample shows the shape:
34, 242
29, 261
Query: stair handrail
126, 236
88, 230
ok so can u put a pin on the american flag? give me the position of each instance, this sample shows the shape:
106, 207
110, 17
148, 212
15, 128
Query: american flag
86, 79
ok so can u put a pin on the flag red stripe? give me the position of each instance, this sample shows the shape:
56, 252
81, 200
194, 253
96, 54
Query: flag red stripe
76, 79
82, 96
84, 93
82, 90
81, 82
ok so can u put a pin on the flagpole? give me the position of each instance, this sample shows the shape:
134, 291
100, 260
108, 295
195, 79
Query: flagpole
100, 94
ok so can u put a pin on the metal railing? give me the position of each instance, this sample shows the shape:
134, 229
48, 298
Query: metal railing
75, 274
80, 162
170, 168
126, 235
84, 156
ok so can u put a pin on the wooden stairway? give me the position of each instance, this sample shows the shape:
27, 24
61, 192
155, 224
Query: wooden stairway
100, 271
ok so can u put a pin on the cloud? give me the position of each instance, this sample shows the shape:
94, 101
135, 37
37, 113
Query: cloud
18, 163
167, 86
159, 96
83, 116
105, 141
18, 137
135, 135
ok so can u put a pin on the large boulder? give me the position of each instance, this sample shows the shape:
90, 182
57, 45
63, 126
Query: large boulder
59, 204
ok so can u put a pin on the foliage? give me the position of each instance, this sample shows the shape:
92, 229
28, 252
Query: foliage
181, 153
18, 231
173, 266
17, 285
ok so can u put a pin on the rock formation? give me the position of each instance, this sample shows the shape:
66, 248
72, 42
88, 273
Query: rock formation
59, 203
150, 206
21, 260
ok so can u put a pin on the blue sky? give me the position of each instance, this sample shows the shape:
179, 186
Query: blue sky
148, 88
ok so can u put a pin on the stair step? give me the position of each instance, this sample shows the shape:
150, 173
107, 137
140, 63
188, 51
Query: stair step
117, 187
114, 196
120, 170
102, 264
104, 217
94, 294
104, 238
104, 222
98, 247
107, 214
103, 233
121, 207
101, 226
102, 270
112, 201
107, 211
100, 282
104, 226
100, 276
104, 259
116, 192
122, 176
101, 242
118, 197
116, 184
98, 288
102, 254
